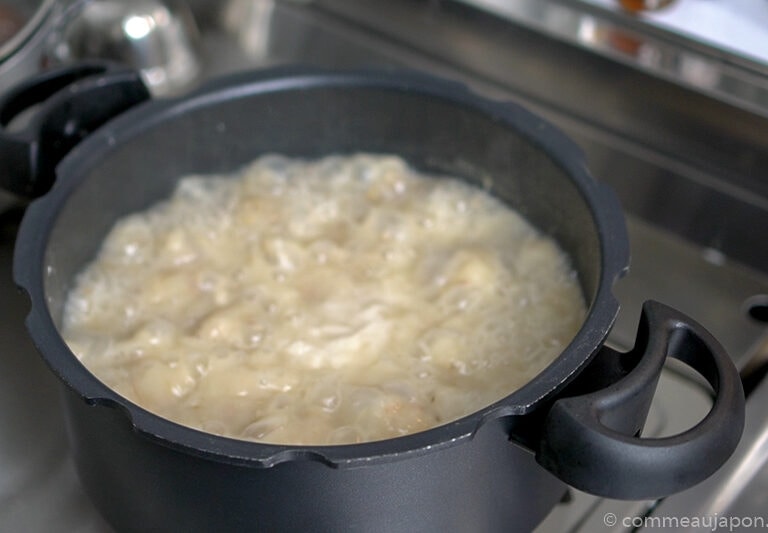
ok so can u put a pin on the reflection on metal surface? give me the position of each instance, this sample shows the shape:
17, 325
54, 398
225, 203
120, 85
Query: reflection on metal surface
21, 20
158, 38
680, 282
666, 55
251, 22
738, 28
23, 53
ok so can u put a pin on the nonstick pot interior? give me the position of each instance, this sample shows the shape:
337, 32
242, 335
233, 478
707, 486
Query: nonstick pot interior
135, 161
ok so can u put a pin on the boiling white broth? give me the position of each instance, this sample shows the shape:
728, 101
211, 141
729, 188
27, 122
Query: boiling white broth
329, 301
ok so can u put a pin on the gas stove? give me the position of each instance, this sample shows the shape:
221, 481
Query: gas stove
682, 156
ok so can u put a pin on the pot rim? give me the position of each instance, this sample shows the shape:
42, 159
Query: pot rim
30, 270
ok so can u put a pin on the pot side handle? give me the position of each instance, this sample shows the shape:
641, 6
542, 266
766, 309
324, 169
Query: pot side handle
73, 102
592, 441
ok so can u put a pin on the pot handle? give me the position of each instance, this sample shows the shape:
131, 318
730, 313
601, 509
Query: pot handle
73, 102
591, 441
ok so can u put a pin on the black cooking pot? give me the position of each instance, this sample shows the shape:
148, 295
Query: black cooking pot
499, 469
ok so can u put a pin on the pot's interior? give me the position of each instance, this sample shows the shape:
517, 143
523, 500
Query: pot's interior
434, 134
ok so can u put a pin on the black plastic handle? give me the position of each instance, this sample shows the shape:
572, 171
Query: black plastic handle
591, 441
73, 102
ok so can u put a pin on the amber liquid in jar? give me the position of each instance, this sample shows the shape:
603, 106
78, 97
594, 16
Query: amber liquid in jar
644, 5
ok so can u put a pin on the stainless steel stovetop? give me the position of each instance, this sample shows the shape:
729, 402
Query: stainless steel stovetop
684, 158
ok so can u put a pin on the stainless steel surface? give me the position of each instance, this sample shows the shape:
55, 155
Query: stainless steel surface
738, 27
157, 38
24, 53
693, 42
25, 19
687, 165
